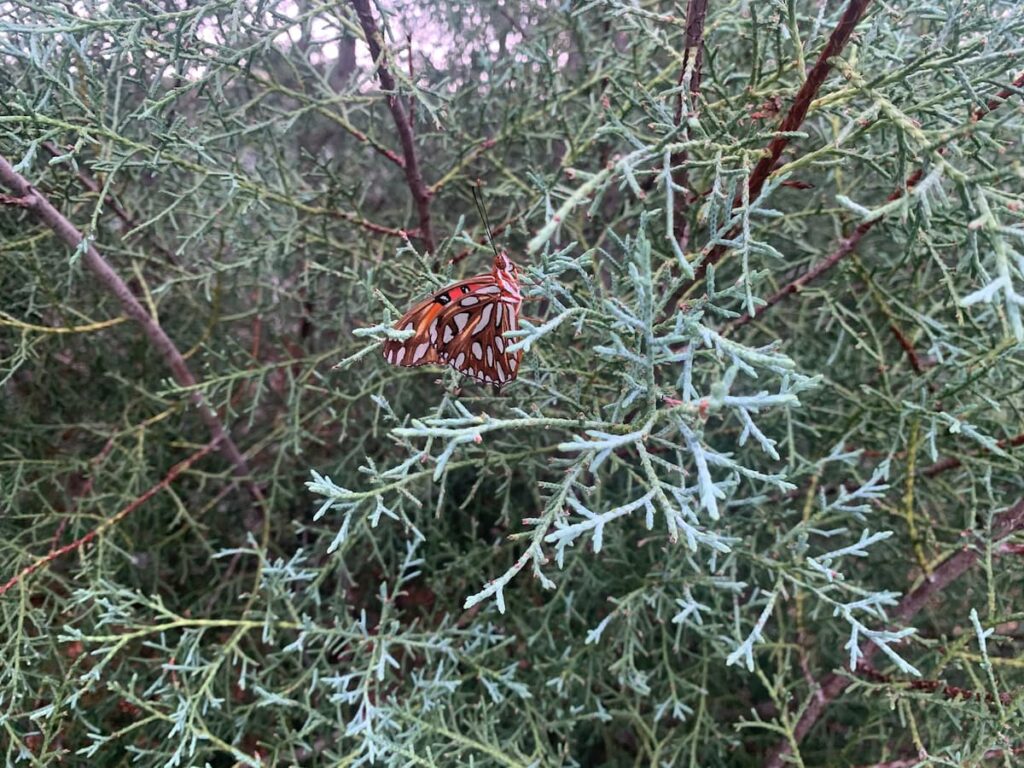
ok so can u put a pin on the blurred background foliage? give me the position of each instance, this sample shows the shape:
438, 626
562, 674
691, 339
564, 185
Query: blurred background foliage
708, 513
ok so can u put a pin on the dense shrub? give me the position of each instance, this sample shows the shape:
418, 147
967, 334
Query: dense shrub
755, 495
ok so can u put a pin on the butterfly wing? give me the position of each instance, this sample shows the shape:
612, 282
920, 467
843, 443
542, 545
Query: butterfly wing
471, 339
462, 326
424, 320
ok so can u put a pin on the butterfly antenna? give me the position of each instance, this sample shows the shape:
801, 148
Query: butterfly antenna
483, 215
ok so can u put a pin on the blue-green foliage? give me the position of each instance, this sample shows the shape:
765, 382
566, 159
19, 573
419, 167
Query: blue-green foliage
657, 543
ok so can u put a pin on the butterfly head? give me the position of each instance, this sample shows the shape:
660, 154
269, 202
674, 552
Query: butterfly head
507, 275
502, 263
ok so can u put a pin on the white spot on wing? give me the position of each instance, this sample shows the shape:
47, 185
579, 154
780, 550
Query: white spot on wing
433, 331
490, 356
469, 301
460, 360
461, 319
499, 343
420, 352
449, 334
485, 318
396, 357
478, 351
489, 289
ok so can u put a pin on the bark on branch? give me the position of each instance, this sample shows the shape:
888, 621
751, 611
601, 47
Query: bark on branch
78, 543
35, 201
693, 58
794, 117
1005, 524
403, 123
849, 244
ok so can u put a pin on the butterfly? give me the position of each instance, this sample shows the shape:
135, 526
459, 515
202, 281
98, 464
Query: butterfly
463, 324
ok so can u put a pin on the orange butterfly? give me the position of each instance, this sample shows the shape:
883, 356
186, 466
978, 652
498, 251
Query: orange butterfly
462, 326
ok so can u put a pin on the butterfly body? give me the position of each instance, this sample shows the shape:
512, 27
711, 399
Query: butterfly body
463, 326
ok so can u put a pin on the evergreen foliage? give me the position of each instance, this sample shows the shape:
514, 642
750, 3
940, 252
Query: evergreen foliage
755, 498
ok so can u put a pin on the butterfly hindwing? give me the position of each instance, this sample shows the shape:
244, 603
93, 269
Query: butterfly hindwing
472, 340
416, 350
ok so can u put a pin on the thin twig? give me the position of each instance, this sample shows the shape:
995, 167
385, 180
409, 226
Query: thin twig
334, 117
169, 478
1005, 524
484, 240
693, 58
950, 692
791, 122
119, 210
403, 122
908, 347
847, 246
999, 98
798, 111
952, 462
35, 201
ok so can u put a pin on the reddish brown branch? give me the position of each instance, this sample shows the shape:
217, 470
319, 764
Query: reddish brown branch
999, 98
1006, 523
908, 348
952, 462
36, 202
403, 123
798, 111
794, 117
13, 200
951, 692
387, 152
693, 57
169, 478
374, 227
696, 12
847, 246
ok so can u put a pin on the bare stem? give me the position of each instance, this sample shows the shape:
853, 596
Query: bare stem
110, 200
403, 122
32, 199
1005, 524
849, 244
78, 543
689, 76
794, 118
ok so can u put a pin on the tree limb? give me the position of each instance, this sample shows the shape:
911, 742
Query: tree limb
689, 76
78, 543
403, 122
794, 118
848, 244
1006, 523
35, 201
